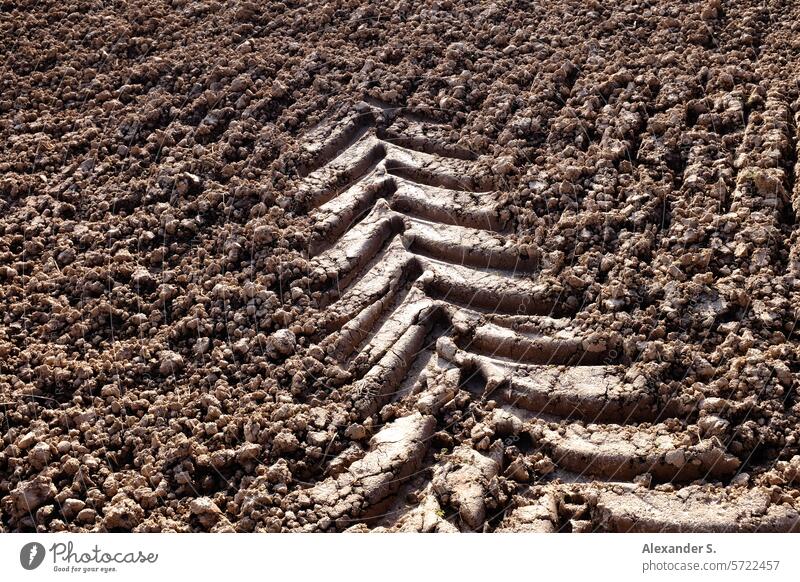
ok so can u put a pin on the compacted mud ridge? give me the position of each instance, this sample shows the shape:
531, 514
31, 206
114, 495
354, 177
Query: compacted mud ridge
430, 267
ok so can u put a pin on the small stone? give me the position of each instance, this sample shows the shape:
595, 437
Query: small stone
206, 511
282, 317
142, 280
87, 515
248, 452
72, 508
355, 432
263, 235
221, 458
110, 390
171, 363
110, 486
595, 343
279, 472
202, 345
183, 478
285, 442
39, 456
317, 438
741, 480
26, 440
503, 166
66, 257
481, 431
284, 342
505, 423
769, 184
712, 425
517, 471
123, 513
712, 404
31, 495
708, 13
574, 281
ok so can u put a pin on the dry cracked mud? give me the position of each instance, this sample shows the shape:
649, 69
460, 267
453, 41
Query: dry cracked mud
428, 267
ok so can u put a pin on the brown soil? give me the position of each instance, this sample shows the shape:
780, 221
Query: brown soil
323, 266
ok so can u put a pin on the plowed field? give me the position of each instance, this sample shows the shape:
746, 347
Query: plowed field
422, 266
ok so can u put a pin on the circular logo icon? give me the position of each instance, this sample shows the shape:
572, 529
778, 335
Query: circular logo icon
31, 555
